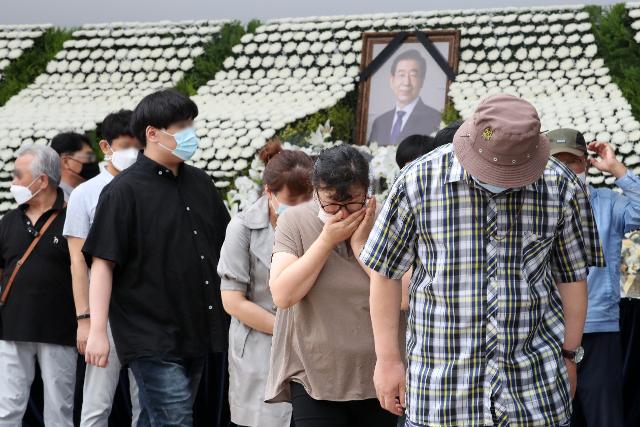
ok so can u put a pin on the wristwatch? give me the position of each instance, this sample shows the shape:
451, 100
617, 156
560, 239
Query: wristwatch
575, 356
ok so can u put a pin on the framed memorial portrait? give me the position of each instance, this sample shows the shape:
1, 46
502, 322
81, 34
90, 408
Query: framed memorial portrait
406, 95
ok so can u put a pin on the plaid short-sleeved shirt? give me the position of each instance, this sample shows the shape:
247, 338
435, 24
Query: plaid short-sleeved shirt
485, 326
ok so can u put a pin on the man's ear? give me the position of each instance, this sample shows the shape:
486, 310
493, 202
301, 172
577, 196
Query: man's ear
105, 147
151, 134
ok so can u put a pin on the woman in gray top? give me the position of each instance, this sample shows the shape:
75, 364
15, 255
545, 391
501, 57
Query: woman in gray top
244, 265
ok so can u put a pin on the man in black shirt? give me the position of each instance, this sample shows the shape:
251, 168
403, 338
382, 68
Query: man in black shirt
155, 242
37, 319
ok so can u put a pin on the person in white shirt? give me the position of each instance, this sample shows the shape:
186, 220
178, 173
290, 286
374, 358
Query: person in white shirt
120, 149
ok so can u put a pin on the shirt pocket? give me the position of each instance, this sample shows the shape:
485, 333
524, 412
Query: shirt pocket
536, 254
239, 333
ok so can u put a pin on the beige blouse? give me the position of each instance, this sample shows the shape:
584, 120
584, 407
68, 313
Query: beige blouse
325, 341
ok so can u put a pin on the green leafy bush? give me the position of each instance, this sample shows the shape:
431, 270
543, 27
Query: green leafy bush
215, 52
33, 62
611, 26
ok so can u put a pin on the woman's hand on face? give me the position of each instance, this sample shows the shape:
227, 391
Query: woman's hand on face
338, 230
361, 234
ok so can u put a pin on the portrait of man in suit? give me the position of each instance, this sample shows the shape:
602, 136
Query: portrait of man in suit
409, 114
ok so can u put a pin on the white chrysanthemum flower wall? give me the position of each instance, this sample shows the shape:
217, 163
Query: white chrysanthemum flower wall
102, 69
291, 68
15, 40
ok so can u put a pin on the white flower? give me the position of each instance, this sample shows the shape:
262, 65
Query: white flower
307, 61
275, 48
293, 61
260, 38
237, 49
246, 38
521, 54
255, 62
466, 55
228, 63
250, 49
322, 60
241, 62
280, 61
505, 54
344, 46
330, 47
303, 47
268, 61
336, 59
289, 47
591, 51
517, 40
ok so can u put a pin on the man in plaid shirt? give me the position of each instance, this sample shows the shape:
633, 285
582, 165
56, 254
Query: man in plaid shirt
500, 239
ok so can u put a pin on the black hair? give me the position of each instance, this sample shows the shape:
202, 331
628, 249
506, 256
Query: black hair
445, 135
338, 169
69, 142
412, 147
116, 125
161, 110
413, 55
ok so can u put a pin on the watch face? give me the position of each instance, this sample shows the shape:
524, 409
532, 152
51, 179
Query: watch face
579, 355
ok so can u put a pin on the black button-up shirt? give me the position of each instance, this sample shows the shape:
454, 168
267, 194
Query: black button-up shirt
164, 234
40, 305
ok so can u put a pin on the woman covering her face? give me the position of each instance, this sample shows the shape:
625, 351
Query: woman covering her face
323, 358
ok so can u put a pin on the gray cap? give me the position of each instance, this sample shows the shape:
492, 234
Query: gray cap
567, 141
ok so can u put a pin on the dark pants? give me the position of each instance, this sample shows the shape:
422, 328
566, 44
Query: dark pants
598, 400
168, 389
308, 412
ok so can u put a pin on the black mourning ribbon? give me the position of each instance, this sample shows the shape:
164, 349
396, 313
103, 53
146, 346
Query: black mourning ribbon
395, 43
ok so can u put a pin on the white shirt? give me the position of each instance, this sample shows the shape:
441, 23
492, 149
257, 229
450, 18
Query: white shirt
408, 109
81, 207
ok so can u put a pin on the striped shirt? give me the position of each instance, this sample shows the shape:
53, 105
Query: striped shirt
485, 326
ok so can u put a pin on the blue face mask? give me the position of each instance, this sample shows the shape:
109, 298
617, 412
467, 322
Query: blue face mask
281, 206
186, 143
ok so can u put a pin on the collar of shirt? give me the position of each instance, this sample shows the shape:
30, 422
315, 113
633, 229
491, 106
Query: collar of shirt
457, 173
151, 166
58, 205
256, 217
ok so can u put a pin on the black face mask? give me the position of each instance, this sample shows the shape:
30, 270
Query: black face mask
89, 170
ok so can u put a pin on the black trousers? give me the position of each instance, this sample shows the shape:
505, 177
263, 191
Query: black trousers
308, 412
598, 400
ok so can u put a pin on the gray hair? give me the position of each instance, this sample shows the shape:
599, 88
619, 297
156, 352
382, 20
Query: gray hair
45, 161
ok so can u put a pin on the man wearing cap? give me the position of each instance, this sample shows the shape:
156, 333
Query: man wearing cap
501, 240
598, 399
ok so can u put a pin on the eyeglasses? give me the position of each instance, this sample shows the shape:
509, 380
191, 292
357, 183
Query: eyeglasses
334, 208
82, 158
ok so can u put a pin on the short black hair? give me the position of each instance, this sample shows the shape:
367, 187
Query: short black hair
411, 54
412, 147
69, 142
445, 135
161, 109
338, 169
116, 125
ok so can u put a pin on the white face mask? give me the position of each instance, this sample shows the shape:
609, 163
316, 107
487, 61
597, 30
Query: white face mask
122, 159
492, 188
324, 217
23, 194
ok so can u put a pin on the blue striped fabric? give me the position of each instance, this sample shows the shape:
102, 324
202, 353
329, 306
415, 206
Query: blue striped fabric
485, 325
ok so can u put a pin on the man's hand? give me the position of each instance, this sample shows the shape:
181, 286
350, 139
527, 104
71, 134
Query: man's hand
389, 381
572, 371
608, 161
97, 351
82, 334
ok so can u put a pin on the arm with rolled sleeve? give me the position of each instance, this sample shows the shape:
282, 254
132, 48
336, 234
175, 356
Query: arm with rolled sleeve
629, 183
